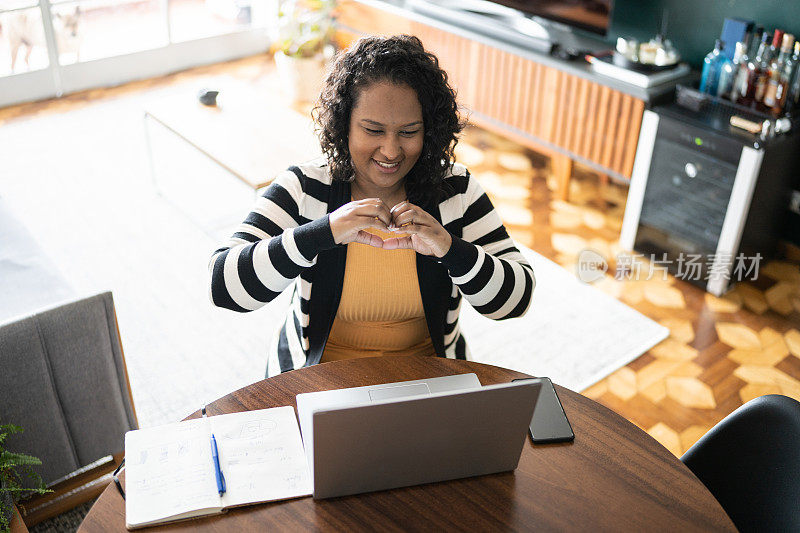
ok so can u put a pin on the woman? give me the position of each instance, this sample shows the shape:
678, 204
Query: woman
383, 235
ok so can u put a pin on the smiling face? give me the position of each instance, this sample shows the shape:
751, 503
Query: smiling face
385, 139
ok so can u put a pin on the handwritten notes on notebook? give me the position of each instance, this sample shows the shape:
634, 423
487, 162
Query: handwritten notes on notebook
170, 472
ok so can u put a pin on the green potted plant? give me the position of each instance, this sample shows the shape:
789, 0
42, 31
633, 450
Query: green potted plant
305, 34
12, 467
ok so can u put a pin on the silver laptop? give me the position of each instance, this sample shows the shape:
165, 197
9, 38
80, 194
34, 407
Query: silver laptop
392, 435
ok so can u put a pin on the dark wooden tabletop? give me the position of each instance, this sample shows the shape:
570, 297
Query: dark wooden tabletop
614, 476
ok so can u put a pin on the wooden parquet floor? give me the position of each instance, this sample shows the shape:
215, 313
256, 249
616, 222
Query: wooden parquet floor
721, 352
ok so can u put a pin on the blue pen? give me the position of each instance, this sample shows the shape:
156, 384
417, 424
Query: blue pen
215, 456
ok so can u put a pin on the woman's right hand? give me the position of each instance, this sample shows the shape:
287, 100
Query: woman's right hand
349, 221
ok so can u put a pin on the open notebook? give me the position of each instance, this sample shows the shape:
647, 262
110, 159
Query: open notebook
170, 472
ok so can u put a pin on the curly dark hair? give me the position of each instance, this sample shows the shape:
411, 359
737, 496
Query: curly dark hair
401, 60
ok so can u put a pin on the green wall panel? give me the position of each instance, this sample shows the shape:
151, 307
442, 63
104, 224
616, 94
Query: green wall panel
695, 24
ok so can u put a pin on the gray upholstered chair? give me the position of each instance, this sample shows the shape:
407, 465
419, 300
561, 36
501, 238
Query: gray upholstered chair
63, 379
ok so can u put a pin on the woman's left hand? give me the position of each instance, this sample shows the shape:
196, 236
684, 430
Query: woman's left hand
424, 233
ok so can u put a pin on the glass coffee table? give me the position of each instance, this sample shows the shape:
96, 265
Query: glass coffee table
251, 135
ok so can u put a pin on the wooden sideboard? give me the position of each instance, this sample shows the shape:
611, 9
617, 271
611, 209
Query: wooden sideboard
566, 116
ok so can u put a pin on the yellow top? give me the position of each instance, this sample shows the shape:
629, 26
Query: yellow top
380, 312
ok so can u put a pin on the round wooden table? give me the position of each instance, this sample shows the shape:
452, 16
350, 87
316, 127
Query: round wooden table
614, 476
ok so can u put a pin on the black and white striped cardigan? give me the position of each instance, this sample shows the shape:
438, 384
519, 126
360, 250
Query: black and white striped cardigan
287, 239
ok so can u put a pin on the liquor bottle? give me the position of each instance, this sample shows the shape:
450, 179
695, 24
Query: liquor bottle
776, 84
777, 39
743, 81
787, 75
793, 97
752, 47
712, 66
754, 40
728, 71
761, 67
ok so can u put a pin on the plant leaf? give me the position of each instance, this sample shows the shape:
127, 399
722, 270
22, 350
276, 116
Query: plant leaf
10, 459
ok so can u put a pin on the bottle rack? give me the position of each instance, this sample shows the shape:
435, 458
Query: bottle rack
708, 106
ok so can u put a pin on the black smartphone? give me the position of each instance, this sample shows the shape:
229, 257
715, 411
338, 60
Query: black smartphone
549, 423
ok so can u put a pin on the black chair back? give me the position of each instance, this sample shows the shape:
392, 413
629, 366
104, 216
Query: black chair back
750, 462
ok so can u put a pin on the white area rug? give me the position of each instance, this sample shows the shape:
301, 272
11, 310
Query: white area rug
80, 182
573, 333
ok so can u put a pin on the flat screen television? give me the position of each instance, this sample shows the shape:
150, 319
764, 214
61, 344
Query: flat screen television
542, 25
589, 15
